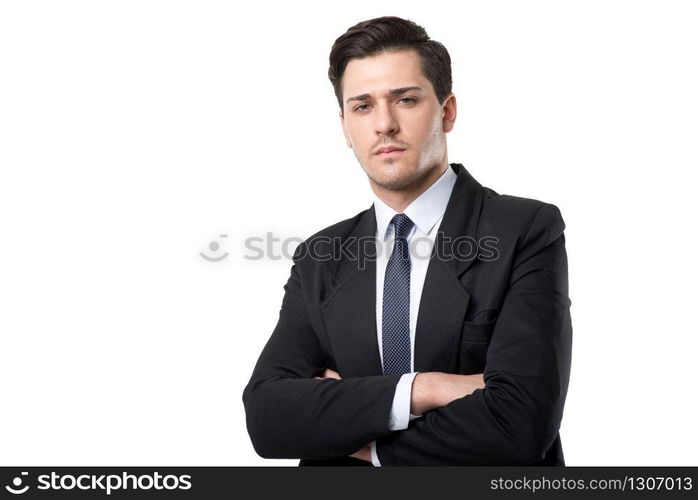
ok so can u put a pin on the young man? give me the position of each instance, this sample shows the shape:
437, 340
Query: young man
441, 333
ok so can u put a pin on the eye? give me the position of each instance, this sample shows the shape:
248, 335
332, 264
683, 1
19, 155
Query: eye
361, 107
408, 100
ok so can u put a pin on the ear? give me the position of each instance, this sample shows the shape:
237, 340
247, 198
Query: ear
448, 112
344, 129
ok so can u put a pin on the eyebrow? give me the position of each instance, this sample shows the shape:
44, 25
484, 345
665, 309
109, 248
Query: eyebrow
391, 92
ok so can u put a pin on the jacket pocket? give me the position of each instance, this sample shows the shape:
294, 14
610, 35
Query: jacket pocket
475, 340
477, 331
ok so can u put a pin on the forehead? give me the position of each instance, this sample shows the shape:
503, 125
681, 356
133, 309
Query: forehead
377, 74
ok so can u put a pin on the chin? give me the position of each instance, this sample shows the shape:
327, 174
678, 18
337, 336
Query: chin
393, 178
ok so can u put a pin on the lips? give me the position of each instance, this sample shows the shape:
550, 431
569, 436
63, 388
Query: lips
389, 151
390, 154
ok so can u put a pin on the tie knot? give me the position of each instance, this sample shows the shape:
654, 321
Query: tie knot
402, 225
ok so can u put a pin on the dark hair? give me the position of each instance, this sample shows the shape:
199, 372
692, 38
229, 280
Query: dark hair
390, 34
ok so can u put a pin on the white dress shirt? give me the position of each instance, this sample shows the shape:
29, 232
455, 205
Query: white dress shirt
426, 211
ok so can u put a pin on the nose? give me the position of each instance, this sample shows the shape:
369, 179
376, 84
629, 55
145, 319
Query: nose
386, 122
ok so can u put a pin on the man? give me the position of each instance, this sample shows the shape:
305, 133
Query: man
384, 354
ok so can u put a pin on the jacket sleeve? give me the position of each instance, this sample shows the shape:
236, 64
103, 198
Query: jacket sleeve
516, 417
292, 415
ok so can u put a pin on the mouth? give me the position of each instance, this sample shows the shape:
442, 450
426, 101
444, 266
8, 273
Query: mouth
391, 153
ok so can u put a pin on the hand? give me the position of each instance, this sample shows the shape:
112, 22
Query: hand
436, 389
329, 374
363, 454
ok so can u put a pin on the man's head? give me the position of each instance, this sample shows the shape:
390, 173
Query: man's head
393, 85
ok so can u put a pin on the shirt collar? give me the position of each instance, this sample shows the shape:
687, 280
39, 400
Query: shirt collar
424, 210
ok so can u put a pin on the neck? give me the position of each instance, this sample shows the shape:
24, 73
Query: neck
399, 199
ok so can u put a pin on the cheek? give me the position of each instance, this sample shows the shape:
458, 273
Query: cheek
434, 132
356, 136
424, 127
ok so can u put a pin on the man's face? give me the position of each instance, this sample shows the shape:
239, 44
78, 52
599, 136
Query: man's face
388, 102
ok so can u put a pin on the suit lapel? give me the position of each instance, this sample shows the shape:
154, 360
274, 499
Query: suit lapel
349, 307
445, 300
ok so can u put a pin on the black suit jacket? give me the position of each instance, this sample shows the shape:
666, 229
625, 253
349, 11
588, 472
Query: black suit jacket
505, 313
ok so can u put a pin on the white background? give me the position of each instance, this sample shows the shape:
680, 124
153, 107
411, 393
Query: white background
132, 134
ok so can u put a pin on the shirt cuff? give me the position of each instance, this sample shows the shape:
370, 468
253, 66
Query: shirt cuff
374, 455
400, 415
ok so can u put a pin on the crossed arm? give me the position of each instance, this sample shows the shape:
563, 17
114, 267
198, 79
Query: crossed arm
296, 408
429, 390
